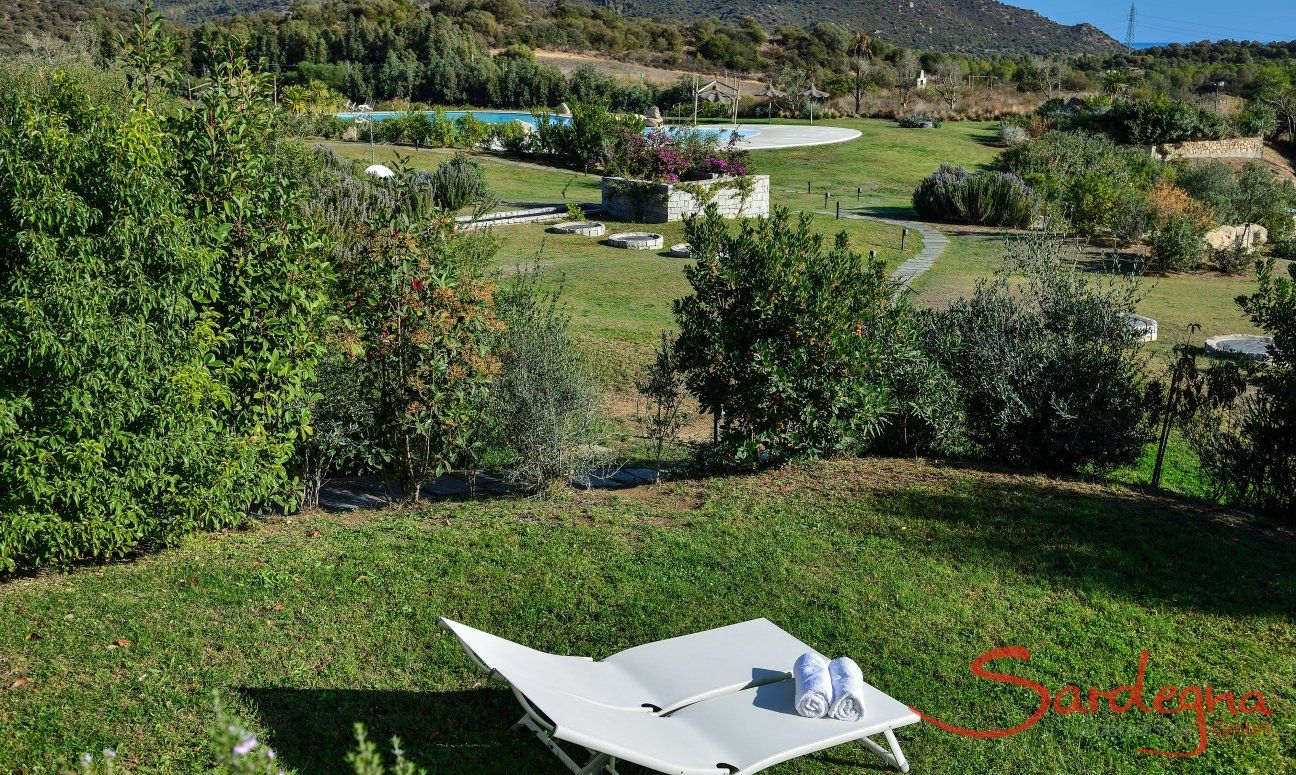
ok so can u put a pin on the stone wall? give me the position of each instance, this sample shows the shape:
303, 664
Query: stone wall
642, 202
1239, 148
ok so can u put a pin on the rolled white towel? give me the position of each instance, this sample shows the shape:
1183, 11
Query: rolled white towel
847, 690
813, 686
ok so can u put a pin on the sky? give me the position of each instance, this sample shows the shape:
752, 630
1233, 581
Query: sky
1183, 21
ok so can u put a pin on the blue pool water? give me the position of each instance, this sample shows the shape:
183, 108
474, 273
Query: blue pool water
505, 116
485, 116
709, 132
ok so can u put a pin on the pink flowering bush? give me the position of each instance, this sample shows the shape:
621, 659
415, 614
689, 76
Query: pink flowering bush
670, 157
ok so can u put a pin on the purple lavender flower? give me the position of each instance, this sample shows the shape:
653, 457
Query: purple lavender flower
245, 746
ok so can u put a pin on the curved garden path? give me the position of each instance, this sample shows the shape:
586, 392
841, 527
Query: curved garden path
934, 244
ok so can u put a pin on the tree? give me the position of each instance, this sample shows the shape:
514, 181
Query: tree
1277, 88
784, 339
951, 81
1247, 451
907, 69
1117, 82
270, 272
861, 55
1048, 75
111, 435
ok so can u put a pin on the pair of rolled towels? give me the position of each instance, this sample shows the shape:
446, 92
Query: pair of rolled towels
834, 689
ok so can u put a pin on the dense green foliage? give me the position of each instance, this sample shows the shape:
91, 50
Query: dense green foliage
1086, 179
1047, 370
1139, 120
1178, 244
989, 198
1252, 195
544, 407
457, 183
115, 429
784, 340
1247, 450
418, 320
270, 272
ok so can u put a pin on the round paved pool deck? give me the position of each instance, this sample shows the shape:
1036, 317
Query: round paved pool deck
770, 136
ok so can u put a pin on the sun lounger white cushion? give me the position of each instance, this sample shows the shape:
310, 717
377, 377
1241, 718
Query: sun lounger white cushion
664, 675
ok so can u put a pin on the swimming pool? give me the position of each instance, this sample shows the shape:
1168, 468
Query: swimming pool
712, 132
708, 132
484, 116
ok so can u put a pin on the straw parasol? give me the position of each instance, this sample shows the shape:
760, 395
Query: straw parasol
813, 94
770, 94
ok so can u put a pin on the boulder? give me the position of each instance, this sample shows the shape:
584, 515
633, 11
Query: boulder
564, 110
1248, 235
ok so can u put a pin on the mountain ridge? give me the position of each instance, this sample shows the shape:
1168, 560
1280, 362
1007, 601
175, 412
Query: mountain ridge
962, 26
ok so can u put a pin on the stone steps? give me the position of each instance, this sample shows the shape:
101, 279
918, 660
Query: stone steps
540, 214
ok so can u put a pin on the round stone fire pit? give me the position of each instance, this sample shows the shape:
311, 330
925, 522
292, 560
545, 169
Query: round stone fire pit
636, 240
681, 250
583, 228
1250, 347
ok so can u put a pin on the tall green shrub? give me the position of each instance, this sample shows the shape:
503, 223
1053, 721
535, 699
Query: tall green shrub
458, 183
989, 198
783, 338
544, 405
269, 272
417, 317
1247, 451
1047, 370
110, 430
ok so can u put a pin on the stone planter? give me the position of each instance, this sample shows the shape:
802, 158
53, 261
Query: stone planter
1247, 347
1146, 328
636, 240
583, 228
643, 202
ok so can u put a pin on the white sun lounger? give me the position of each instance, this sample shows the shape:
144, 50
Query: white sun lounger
718, 702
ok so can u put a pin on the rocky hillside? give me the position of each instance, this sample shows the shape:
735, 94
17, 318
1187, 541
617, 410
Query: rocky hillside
968, 26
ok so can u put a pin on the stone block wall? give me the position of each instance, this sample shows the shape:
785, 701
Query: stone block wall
1238, 148
642, 202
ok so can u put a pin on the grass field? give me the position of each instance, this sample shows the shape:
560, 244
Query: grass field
1175, 301
304, 626
620, 300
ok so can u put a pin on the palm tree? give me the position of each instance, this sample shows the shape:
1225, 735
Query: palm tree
861, 50
1116, 82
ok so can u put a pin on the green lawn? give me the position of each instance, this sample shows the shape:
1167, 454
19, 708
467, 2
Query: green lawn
620, 300
306, 625
886, 161
516, 185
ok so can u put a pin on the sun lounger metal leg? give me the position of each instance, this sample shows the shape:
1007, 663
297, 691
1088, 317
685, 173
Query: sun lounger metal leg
895, 757
597, 763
